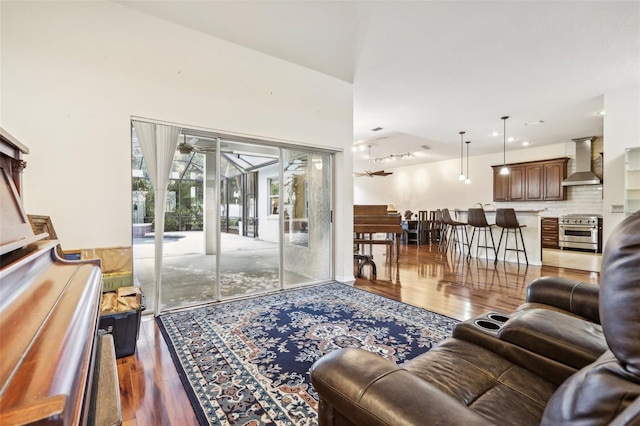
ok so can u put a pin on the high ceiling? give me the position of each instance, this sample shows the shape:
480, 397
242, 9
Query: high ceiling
425, 70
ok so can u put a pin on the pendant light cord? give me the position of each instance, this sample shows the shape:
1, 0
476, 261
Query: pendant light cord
468, 179
504, 141
461, 177
468, 143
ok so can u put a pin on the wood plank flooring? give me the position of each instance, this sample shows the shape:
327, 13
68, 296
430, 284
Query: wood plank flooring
151, 391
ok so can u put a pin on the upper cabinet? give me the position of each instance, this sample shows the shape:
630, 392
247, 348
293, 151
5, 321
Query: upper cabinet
554, 173
531, 181
508, 187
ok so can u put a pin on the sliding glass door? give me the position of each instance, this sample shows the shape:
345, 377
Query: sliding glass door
306, 216
240, 218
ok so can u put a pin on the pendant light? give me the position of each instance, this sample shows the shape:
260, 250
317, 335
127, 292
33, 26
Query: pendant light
467, 180
504, 170
461, 177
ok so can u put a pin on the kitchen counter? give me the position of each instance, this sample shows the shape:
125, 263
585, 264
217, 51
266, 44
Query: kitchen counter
531, 234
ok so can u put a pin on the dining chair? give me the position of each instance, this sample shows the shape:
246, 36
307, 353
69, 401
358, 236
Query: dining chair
424, 230
442, 230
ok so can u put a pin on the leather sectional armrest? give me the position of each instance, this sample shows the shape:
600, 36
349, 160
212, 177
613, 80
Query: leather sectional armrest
569, 340
367, 389
578, 298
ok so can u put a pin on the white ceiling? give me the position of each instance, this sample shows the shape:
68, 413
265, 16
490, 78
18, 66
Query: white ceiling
426, 70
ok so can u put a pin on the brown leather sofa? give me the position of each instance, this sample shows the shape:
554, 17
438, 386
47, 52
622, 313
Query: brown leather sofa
569, 356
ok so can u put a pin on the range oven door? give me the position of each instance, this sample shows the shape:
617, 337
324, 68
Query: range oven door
585, 237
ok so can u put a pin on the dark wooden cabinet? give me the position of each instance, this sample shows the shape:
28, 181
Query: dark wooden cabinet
531, 181
549, 232
599, 235
500, 186
554, 173
534, 178
508, 187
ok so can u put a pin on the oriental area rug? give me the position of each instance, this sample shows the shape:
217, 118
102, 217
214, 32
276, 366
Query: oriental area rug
247, 362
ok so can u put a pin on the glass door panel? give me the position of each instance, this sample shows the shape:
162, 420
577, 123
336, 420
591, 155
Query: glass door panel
188, 271
249, 263
306, 204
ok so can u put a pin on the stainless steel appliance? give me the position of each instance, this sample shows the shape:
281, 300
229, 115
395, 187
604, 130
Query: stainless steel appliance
580, 231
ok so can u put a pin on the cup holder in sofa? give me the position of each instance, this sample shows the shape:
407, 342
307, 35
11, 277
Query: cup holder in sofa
498, 317
487, 325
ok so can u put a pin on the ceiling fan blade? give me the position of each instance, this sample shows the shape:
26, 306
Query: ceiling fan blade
185, 148
372, 174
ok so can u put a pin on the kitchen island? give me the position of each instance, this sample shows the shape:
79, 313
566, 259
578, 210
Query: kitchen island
531, 234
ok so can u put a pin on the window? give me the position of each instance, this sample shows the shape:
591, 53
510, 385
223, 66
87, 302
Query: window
274, 195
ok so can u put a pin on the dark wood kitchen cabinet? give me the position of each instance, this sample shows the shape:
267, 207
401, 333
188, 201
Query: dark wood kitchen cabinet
534, 180
508, 187
549, 232
531, 181
554, 173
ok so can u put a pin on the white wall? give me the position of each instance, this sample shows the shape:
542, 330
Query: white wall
621, 130
73, 73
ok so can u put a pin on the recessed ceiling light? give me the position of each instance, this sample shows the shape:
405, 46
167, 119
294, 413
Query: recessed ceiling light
495, 134
534, 123
525, 143
511, 139
376, 129
601, 112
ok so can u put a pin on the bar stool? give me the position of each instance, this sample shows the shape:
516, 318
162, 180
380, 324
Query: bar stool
478, 220
506, 219
453, 227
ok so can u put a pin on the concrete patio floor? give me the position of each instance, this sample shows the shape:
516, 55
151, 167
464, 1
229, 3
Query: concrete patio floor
247, 266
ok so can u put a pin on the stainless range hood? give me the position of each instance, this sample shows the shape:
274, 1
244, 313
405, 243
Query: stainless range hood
583, 174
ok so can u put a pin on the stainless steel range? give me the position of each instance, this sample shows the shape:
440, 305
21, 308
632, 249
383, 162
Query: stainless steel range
580, 231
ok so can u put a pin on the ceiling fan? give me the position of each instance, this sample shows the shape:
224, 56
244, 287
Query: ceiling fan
369, 173
187, 147
197, 144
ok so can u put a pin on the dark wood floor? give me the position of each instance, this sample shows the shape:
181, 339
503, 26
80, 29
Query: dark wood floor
152, 393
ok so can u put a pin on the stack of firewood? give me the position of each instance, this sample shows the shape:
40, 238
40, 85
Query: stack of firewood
124, 299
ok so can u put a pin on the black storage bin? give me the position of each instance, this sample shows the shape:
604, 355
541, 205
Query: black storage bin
124, 327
